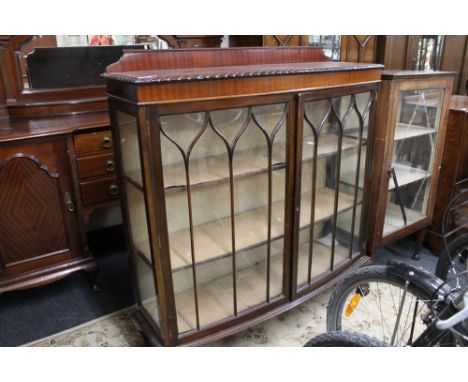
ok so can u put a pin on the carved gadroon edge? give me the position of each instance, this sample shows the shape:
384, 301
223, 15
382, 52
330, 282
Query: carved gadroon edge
155, 79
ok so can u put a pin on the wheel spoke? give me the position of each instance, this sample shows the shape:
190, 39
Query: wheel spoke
386, 311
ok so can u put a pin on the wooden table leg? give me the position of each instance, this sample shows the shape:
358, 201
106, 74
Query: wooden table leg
419, 242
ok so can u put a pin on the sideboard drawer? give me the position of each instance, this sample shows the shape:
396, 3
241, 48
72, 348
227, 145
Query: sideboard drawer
99, 190
96, 165
97, 142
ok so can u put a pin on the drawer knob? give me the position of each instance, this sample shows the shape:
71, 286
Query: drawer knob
110, 165
106, 143
113, 189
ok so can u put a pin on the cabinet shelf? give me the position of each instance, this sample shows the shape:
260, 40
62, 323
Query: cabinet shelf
354, 134
141, 242
405, 131
405, 175
215, 168
430, 101
213, 240
215, 298
320, 260
394, 218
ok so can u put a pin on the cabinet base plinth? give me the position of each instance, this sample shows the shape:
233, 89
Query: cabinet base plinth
243, 323
47, 275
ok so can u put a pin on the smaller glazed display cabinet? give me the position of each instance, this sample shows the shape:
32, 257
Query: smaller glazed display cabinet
240, 171
410, 134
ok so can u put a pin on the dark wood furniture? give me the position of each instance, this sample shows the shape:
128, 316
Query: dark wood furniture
410, 133
192, 41
354, 48
240, 174
358, 48
404, 53
454, 167
71, 67
42, 235
23, 103
96, 166
267, 40
395, 52
56, 168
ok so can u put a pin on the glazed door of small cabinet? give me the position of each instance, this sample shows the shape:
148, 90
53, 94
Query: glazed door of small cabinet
332, 150
38, 224
413, 156
225, 172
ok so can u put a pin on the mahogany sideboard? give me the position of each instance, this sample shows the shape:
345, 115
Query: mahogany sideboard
56, 167
54, 172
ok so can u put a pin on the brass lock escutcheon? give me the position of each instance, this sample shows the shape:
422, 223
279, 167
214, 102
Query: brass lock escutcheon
68, 202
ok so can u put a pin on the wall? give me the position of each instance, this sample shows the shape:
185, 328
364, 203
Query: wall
401, 52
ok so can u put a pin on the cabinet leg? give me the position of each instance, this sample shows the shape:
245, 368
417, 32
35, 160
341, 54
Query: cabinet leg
419, 242
92, 278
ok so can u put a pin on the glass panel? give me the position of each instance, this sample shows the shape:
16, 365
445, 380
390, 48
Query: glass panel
414, 146
224, 179
349, 222
136, 208
129, 146
334, 148
146, 288
137, 216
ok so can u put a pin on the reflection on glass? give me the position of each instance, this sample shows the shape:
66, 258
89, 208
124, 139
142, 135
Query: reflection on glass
224, 179
65, 61
331, 45
333, 163
137, 224
413, 156
129, 147
430, 50
146, 288
137, 216
131, 169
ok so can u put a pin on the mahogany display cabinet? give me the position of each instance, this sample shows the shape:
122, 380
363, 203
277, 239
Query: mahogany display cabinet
410, 134
240, 173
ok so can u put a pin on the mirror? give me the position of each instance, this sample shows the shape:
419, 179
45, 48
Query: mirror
430, 50
331, 45
69, 61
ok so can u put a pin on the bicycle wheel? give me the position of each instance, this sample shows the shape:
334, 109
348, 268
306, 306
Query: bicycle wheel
344, 339
453, 260
371, 303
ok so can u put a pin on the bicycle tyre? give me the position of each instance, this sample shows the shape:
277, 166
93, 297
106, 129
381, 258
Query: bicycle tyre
370, 274
344, 339
455, 247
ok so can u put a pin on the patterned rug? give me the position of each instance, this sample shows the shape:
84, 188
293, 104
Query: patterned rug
293, 328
